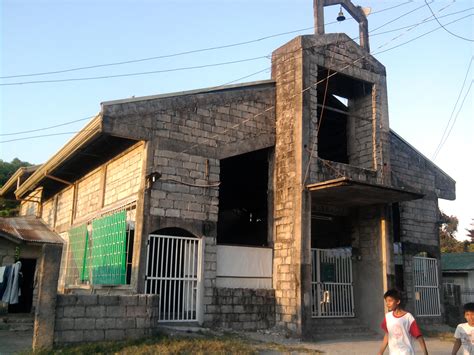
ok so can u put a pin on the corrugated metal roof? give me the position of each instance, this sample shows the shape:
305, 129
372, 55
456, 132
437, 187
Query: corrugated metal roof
457, 261
28, 229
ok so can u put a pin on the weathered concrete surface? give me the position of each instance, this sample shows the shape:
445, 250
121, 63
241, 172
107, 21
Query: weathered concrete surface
47, 291
14, 342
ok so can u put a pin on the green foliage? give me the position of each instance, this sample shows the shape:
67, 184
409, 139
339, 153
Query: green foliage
470, 232
7, 207
448, 243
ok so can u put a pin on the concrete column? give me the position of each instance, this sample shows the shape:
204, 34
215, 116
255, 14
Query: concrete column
45, 313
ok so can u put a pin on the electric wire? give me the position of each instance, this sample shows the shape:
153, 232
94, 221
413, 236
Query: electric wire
268, 109
182, 53
46, 128
435, 154
444, 28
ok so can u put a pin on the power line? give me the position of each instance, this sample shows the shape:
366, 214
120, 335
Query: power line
457, 114
443, 138
260, 71
266, 110
444, 28
134, 74
180, 53
165, 70
46, 128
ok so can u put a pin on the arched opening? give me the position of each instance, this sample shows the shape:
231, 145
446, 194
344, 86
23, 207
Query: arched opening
173, 271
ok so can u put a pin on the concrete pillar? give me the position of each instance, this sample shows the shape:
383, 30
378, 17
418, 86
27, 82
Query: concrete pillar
45, 313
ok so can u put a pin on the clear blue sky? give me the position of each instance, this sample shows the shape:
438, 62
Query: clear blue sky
424, 76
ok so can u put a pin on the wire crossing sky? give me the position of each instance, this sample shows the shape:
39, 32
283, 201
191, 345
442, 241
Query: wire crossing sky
54, 40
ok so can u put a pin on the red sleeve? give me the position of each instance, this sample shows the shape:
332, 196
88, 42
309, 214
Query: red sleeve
414, 330
384, 325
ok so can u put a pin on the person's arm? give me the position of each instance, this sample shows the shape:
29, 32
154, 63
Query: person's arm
422, 344
456, 346
384, 344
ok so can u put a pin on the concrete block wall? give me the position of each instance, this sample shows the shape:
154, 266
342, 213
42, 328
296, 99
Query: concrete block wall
123, 176
419, 218
90, 318
368, 140
88, 194
64, 209
119, 178
188, 134
47, 212
361, 147
31, 208
178, 193
288, 71
241, 309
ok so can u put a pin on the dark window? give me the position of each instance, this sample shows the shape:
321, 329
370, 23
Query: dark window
243, 199
396, 222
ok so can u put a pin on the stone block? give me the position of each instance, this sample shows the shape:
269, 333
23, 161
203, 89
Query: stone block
72, 336
74, 311
135, 333
116, 311
114, 334
66, 300
84, 323
108, 300
94, 335
105, 323
142, 300
87, 300
125, 323
128, 300
64, 324
95, 311
136, 311
143, 322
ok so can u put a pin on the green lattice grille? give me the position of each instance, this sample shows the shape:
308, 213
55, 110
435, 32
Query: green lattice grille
78, 241
109, 249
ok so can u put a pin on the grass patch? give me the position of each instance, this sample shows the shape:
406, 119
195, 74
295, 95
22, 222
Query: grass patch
164, 344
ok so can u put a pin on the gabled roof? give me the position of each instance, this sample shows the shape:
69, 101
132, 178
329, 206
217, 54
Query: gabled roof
28, 229
457, 261
18, 177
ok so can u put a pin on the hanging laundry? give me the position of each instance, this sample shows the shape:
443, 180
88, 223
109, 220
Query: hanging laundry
12, 290
4, 279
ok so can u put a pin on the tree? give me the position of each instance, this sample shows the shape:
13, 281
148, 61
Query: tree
8, 207
448, 243
470, 232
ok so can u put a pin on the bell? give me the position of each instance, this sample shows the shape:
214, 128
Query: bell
340, 16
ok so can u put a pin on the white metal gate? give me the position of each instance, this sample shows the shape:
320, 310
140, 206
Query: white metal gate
331, 284
425, 277
173, 272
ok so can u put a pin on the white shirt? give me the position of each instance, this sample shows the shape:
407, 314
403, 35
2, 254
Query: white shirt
401, 333
466, 333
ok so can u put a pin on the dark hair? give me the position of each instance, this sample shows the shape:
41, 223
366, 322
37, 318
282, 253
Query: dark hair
393, 293
469, 307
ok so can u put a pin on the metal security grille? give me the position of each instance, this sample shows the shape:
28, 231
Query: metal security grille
99, 252
109, 246
425, 277
332, 289
173, 272
78, 272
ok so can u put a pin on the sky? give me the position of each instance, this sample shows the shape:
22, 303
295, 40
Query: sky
424, 75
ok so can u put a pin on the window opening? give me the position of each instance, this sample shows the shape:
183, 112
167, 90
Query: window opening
345, 120
243, 199
100, 251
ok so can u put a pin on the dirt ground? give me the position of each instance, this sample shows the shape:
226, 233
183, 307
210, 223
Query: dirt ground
11, 343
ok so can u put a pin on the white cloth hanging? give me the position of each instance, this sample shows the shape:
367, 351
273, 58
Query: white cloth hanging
13, 291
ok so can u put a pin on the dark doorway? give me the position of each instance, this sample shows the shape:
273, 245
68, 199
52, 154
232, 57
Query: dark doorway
328, 232
25, 302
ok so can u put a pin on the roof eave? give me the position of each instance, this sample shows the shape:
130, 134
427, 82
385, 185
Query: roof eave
88, 133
